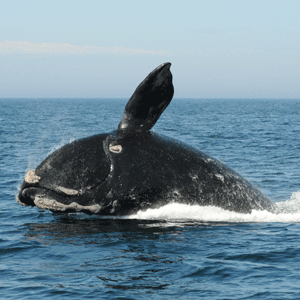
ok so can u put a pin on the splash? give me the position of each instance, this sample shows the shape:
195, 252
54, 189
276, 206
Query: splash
35, 159
287, 212
61, 144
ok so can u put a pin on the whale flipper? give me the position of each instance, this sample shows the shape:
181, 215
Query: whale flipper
149, 100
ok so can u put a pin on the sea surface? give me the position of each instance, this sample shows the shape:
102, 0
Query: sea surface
176, 251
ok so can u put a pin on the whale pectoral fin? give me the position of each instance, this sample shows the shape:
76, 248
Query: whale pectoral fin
149, 100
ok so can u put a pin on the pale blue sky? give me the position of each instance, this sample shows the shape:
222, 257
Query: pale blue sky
95, 48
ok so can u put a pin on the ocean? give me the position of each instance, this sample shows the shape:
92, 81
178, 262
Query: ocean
176, 251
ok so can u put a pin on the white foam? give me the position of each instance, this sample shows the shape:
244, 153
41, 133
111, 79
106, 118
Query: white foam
288, 212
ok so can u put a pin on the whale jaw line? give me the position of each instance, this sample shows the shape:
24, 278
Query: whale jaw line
48, 199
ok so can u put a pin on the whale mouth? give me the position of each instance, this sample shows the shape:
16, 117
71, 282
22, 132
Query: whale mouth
28, 195
44, 198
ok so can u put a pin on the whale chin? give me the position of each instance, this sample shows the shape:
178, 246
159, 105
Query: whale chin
47, 199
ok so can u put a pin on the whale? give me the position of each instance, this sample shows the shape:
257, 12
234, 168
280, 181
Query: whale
133, 168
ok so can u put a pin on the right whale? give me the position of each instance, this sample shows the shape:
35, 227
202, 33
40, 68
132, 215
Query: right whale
132, 168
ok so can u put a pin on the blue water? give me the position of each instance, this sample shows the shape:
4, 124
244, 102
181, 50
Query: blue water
177, 251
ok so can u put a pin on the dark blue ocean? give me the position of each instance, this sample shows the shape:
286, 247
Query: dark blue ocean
177, 251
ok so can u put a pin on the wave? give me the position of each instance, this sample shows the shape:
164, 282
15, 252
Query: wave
287, 212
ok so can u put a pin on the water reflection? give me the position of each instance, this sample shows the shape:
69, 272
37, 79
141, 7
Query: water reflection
115, 254
74, 229
78, 229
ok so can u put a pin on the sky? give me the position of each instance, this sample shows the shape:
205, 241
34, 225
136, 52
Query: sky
104, 49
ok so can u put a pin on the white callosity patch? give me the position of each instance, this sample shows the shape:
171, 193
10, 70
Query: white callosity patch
67, 191
45, 203
30, 177
20, 202
115, 149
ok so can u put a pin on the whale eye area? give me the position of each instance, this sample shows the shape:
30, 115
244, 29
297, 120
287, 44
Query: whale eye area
115, 148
